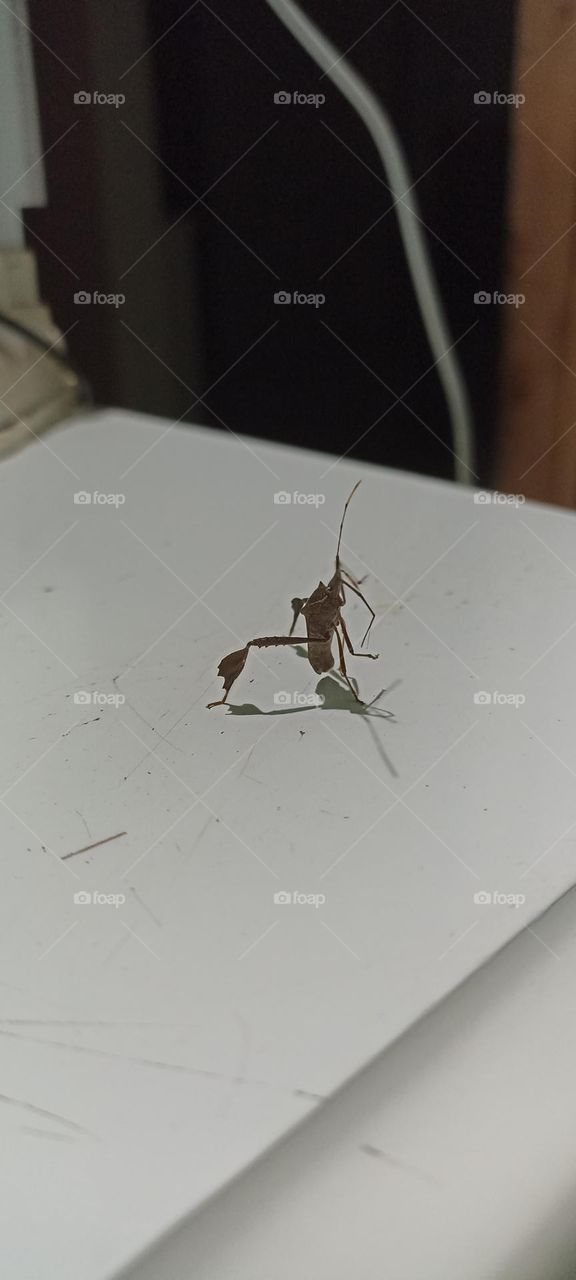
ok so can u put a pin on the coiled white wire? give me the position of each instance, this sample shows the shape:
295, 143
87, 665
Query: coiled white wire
389, 148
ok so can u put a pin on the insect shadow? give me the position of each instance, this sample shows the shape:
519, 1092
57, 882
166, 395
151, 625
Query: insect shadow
334, 697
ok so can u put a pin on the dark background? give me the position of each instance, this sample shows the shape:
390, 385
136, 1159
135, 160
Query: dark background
284, 210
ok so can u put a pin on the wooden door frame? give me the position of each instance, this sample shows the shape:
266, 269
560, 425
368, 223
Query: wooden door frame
536, 437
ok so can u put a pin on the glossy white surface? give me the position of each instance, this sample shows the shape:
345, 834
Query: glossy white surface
451, 1156
151, 1050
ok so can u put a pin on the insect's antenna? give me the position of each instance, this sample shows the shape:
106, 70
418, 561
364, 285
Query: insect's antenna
350, 496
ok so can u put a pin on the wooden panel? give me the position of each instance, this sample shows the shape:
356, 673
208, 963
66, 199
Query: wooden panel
537, 435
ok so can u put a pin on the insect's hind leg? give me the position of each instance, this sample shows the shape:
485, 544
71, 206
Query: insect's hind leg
343, 671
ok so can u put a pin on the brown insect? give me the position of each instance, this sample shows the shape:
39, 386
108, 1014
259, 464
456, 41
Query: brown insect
322, 614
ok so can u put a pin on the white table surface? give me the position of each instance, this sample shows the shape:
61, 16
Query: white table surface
151, 1051
450, 1157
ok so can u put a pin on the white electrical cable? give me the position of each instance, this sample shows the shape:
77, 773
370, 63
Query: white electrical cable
389, 148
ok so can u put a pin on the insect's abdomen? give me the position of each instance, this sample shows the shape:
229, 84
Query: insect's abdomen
320, 654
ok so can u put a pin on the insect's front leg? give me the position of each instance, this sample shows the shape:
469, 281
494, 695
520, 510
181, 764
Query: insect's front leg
233, 664
349, 646
356, 582
352, 587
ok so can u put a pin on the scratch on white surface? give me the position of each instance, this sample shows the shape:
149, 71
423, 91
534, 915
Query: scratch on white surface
203, 830
41, 1111
119, 1025
43, 1133
82, 819
80, 725
378, 1154
32, 995
247, 761
154, 1063
96, 845
122, 942
144, 906
240, 1077
151, 727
